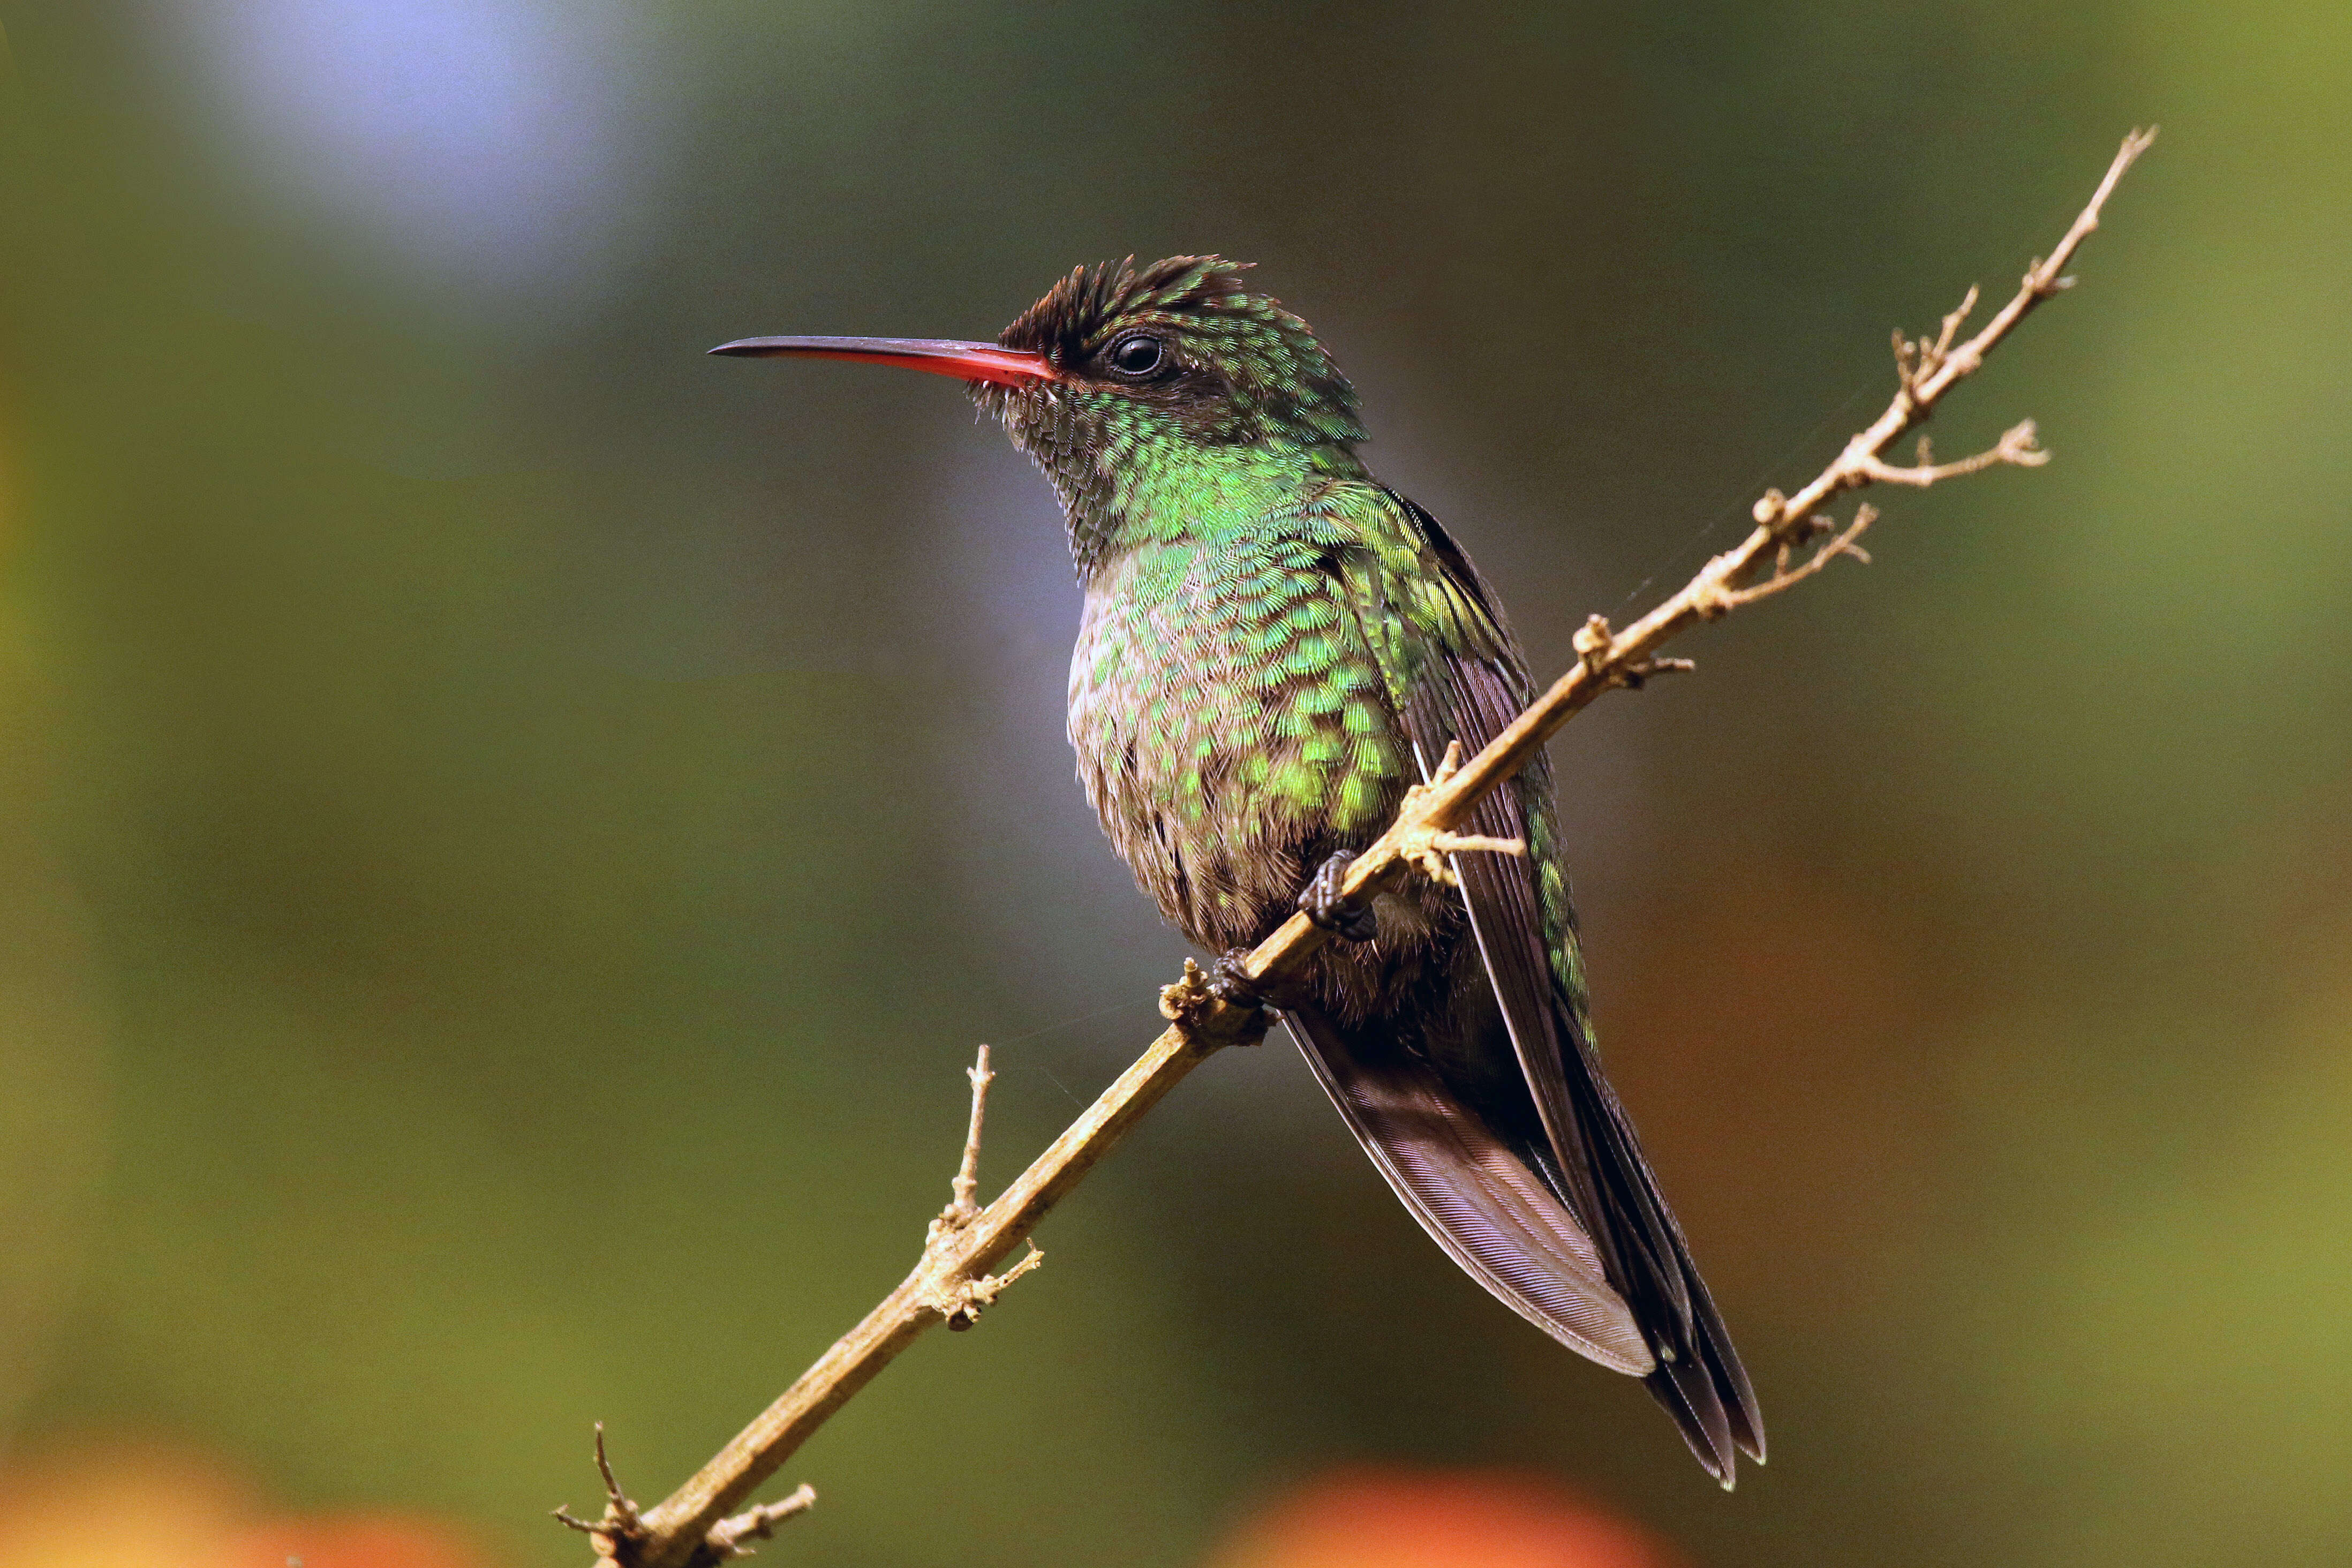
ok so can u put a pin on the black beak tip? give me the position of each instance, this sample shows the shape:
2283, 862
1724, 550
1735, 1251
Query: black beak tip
741, 348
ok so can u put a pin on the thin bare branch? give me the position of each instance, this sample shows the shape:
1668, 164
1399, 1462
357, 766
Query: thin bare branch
688, 1529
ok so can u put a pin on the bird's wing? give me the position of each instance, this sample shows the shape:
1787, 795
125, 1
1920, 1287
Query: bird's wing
1468, 685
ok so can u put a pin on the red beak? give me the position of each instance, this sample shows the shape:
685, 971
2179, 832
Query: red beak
966, 361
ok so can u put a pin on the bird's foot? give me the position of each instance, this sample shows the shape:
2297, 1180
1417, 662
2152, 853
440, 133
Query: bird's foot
1230, 982
1324, 903
1224, 992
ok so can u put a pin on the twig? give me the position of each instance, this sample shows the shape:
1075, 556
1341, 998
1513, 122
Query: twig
621, 1522
691, 1527
1786, 576
2016, 447
727, 1537
961, 1209
959, 1296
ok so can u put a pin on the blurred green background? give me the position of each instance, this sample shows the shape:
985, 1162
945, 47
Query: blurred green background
510, 829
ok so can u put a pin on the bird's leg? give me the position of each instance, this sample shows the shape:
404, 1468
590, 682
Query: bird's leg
1324, 903
1328, 906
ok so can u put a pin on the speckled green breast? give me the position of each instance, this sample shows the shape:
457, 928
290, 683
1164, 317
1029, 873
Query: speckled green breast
1230, 717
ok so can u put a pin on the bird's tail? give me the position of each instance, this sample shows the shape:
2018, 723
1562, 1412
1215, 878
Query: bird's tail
1481, 1203
1501, 1212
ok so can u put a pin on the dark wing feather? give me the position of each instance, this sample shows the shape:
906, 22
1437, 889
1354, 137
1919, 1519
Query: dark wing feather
1596, 1163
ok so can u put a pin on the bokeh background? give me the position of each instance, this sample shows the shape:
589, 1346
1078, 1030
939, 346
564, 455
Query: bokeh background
510, 829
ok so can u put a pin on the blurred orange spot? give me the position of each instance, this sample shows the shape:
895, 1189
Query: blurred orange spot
141, 1506
131, 1507
1435, 1518
341, 1541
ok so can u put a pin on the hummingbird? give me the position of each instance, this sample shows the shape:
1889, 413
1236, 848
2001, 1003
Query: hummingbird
1275, 646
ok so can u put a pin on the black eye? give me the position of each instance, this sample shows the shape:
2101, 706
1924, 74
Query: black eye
1137, 355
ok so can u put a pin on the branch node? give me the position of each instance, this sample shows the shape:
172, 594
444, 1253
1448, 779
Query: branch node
961, 1300
1428, 847
1916, 361
1206, 1018
622, 1527
2042, 280
1784, 576
1596, 648
1182, 1003
1712, 596
726, 1538
1600, 653
1767, 506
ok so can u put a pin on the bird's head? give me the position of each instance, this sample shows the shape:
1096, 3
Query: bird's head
1131, 387
1178, 349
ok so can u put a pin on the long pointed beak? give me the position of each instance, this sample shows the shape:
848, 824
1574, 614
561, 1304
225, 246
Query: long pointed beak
939, 356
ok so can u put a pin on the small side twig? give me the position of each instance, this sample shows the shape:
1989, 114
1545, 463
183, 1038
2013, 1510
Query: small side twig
961, 1209
727, 1537
695, 1526
1430, 850
959, 1294
962, 1298
621, 1524
2017, 446
1720, 600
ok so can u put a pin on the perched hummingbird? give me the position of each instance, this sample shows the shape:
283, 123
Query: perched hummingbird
1274, 645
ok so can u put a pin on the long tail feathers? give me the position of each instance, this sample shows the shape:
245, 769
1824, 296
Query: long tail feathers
1505, 1223
1486, 1208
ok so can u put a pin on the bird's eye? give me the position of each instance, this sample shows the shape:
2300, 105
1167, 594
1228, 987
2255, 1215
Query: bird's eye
1137, 355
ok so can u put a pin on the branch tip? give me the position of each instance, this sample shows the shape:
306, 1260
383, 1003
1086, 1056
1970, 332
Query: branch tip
1952, 322
1476, 844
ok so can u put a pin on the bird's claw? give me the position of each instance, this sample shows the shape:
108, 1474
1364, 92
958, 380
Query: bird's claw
1328, 907
1230, 982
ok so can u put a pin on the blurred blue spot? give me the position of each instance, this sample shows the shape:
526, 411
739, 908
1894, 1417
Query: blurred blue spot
478, 135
